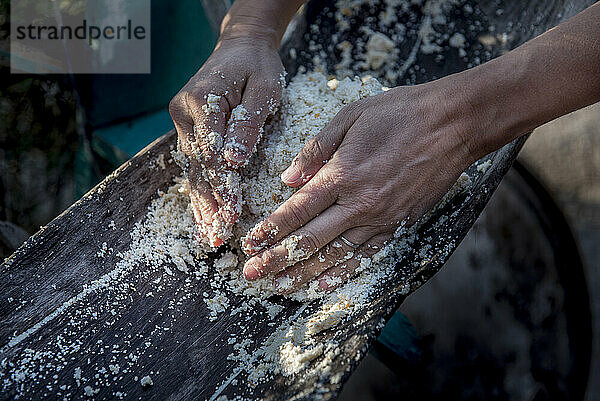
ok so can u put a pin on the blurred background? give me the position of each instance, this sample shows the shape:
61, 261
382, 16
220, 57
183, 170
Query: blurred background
529, 264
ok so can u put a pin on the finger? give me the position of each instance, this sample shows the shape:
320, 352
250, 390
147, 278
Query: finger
209, 115
332, 254
201, 194
342, 272
203, 214
189, 145
260, 99
299, 245
225, 184
298, 210
204, 205
319, 149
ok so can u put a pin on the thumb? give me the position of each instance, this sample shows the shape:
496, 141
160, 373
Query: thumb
319, 149
261, 98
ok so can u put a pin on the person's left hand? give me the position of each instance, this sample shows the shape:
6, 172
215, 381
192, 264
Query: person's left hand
380, 161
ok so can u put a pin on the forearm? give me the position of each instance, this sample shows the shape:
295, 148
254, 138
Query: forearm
545, 78
264, 20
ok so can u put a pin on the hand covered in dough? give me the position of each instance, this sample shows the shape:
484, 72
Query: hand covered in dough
380, 161
219, 116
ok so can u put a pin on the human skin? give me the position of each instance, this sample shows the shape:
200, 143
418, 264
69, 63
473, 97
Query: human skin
245, 69
389, 158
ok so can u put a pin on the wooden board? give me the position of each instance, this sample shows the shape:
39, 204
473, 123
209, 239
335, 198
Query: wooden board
62, 329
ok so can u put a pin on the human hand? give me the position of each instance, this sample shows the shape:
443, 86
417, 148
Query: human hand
219, 116
380, 161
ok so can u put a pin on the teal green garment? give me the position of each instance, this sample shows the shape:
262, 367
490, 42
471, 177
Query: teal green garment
399, 337
126, 112
181, 41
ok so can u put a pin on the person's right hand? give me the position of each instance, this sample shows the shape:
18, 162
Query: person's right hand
240, 72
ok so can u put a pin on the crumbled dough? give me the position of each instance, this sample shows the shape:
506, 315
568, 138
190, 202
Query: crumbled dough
294, 252
212, 104
217, 304
457, 40
381, 50
228, 261
146, 381
90, 391
484, 166
239, 113
214, 141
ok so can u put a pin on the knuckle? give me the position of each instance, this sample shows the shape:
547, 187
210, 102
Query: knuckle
330, 181
352, 110
177, 107
196, 97
186, 96
343, 175
268, 258
355, 211
335, 250
295, 215
313, 150
174, 106
264, 231
321, 189
371, 201
309, 241
374, 198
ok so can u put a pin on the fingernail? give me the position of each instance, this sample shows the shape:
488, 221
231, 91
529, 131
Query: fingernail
323, 284
291, 175
250, 272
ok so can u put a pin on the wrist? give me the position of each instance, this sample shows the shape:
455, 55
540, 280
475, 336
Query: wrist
500, 101
249, 31
263, 21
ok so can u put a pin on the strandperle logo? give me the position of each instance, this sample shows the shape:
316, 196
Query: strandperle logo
80, 36
85, 31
